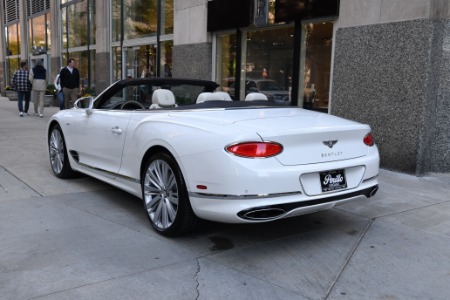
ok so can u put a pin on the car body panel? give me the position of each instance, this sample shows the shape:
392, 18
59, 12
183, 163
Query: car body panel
112, 145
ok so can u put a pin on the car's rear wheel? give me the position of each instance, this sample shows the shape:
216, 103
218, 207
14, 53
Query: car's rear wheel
59, 159
165, 196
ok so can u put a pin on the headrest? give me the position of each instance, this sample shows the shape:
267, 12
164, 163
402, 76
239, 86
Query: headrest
217, 96
255, 96
164, 98
222, 96
202, 97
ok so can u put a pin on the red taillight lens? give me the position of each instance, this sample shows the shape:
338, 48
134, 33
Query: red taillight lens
368, 139
255, 149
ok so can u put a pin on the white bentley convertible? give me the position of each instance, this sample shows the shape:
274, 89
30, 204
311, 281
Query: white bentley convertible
191, 153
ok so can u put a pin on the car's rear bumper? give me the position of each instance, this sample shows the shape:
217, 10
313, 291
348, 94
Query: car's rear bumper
254, 209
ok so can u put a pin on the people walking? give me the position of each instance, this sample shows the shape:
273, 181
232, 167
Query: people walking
59, 92
23, 86
69, 79
38, 78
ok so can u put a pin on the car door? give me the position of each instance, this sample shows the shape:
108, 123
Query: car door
99, 139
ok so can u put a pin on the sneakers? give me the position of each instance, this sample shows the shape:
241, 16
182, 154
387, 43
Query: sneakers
25, 114
35, 113
21, 114
41, 115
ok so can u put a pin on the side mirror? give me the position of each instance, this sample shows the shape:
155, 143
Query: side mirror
86, 103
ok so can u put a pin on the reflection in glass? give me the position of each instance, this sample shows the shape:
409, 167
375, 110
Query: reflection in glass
140, 61
40, 32
226, 62
166, 59
76, 31
13, 39
140, 18
316, 64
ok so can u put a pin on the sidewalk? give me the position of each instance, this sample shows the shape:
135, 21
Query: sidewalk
82, 239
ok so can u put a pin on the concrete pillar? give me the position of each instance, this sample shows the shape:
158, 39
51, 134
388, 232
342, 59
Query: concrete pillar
391, 70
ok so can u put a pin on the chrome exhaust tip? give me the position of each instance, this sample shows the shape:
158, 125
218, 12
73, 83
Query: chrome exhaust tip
262, 214
373, 191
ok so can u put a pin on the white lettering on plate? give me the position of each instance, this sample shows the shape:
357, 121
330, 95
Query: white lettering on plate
328, 179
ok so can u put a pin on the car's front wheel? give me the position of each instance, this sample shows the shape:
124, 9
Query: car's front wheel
165, 196
59, 159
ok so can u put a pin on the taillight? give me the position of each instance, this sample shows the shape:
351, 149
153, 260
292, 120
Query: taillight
368, 139
255, 149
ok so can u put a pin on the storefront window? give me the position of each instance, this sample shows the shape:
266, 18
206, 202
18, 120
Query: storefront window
267, 64
39, 32
226, 63
116, 10
13, 40
140, 18
140, 61
166, 59
75, 19
167, 17
316, 64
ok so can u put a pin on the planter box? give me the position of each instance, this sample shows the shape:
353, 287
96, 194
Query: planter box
12, 95
48, 100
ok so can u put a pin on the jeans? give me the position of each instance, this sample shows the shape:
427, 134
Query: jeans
20, 95
60, 96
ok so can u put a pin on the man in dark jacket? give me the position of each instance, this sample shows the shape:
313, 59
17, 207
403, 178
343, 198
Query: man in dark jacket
69, 79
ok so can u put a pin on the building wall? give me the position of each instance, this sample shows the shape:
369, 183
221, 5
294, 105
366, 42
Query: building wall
192, 51
391, 71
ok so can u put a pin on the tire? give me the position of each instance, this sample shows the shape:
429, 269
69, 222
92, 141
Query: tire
59, 160
165, 197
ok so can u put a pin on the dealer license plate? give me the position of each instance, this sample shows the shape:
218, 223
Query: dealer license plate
332, 180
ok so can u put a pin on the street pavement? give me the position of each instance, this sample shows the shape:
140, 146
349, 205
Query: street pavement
83, 239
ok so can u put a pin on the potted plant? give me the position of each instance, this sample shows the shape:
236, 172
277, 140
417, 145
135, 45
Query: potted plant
50, 95
11, 92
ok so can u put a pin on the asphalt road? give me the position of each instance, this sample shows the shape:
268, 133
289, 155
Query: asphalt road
82, 239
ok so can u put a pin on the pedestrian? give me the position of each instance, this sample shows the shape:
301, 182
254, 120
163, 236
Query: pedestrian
69, 79
59, 92
38, 78
23, 86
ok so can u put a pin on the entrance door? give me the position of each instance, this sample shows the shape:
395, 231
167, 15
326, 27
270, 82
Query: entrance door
140, 61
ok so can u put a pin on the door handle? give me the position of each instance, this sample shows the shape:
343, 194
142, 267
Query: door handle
116, 130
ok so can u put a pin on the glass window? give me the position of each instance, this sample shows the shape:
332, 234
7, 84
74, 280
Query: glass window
12, 65
39, 33
167, 17
140, 61
315, 64
268, 63
75, 20
13, 40
166, 58
140, 18
226, 62
116, 9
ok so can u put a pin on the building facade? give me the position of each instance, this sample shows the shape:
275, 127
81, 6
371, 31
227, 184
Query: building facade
381, 62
